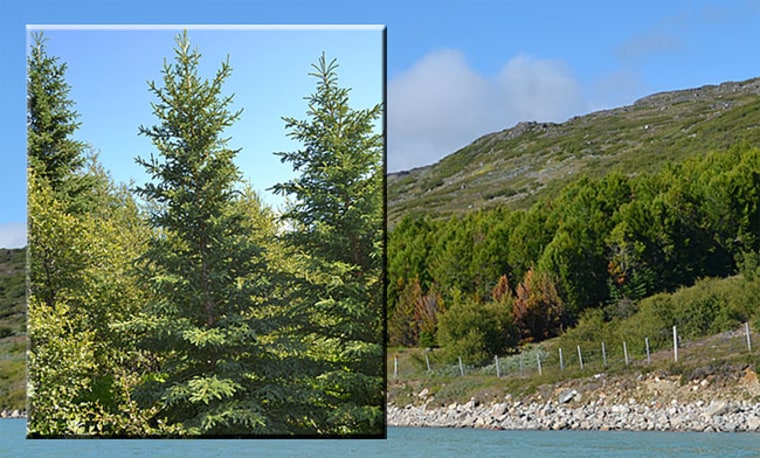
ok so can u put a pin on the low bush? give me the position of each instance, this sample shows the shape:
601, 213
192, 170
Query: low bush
476, 332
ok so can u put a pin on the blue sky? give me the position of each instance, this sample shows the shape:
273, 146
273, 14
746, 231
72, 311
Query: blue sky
456, 69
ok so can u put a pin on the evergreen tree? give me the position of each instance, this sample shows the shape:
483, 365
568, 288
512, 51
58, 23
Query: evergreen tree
208, 274
337, 234
51, 122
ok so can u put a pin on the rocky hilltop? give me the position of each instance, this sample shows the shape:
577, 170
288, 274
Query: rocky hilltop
515, 166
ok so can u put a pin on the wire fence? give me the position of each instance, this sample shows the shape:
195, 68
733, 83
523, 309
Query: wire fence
537, 360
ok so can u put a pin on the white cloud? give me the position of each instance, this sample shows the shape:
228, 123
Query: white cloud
538, 90
441, 104
12, 235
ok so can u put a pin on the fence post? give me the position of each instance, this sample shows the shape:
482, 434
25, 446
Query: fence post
646, 342
749, 342
461, 369
498, 373
538, 358
675, 344
580, 357
604, 355
561, 361
395, 367
427, 361
625, 352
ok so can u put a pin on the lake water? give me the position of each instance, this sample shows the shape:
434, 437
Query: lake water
402, 442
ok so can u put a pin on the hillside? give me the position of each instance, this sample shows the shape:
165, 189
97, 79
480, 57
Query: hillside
12, 292
12, 329
516, 166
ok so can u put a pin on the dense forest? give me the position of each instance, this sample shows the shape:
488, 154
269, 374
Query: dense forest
485, 282
186, 306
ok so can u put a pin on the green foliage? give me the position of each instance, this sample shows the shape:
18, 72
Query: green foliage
12, 292
61, 366
13, 372
81, 280
710, 306
750, 265
475, 331
336, 239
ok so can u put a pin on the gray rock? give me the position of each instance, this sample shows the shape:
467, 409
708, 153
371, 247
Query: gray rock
620, 409
753, 423
716, 408
499, 409
567, 396
718, 416
729, 427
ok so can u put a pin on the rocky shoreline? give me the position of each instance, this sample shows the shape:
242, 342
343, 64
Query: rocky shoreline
15, 413
648, 403
717, 416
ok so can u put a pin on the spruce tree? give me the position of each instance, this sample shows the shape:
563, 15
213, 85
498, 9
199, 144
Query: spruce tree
206, 271
51, 123
336, 236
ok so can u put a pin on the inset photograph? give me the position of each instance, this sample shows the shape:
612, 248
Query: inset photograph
206, 231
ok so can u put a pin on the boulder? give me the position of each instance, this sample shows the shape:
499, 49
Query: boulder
753, 423
716, 408
567, 396
620, 409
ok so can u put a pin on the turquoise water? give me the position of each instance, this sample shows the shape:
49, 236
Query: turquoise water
402, 442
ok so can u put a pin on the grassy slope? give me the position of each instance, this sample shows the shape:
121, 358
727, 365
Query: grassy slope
515, 166
12, 329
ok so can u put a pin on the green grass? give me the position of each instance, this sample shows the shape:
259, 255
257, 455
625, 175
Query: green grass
720, 355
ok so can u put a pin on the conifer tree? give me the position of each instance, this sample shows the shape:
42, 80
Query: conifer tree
337, 234
207, 273
51, 122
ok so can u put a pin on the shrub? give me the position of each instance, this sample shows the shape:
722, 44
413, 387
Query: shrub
654, 320
476, 331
